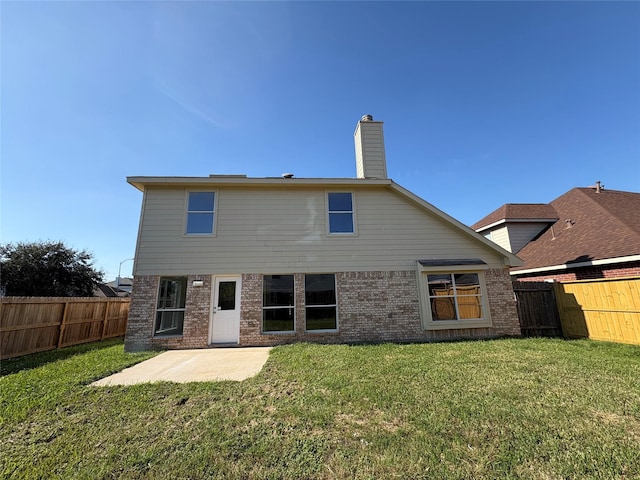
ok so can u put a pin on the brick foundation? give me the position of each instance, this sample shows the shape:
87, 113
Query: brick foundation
372, 307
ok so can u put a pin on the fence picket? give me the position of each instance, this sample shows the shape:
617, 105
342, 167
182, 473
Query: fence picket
537, 309
603, 309
35, 324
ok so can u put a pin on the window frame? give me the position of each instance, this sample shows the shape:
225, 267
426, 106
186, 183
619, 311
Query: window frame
278, 307
335, 305
213, 213
425, 300
328, 212
160, 310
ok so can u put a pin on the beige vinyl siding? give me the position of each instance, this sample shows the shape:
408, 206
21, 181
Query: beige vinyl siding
501, 237
522, 233
370, 155
277, 230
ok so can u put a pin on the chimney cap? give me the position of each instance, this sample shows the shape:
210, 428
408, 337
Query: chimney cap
366, 118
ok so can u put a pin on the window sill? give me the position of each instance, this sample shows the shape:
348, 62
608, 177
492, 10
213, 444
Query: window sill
168, 336
323, 332
292, 332
457, 324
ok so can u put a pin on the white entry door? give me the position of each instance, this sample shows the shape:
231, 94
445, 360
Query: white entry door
225, 316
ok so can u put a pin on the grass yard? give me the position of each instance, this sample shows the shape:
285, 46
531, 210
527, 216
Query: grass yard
533, 408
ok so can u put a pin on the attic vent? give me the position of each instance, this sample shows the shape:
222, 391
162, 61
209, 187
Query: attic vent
569, 223
287, 175
367, 118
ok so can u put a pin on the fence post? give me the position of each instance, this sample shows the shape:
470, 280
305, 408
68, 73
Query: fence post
62, 323
105, 318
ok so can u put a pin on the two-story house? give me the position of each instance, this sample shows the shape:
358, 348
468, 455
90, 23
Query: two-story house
234, 260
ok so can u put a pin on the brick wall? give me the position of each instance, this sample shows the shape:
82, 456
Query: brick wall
143, 310
144, 295
376, 307
502, 302
372, 307
631, 269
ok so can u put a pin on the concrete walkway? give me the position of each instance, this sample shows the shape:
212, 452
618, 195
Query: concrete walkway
182, 366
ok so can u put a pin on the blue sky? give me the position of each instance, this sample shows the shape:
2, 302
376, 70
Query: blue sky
484, 103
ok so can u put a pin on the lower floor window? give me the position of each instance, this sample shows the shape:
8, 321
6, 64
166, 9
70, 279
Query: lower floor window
171, 305
455, 296
320, 302
278, 307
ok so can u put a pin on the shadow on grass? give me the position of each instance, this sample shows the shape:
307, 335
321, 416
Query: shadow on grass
35, 360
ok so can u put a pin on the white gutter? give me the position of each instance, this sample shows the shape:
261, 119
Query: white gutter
591, 263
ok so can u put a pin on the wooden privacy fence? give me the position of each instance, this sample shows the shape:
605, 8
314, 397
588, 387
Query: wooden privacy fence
35, 324
537, 310
603, 309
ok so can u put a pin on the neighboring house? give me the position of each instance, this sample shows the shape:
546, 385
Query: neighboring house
228, 259
104, 290
587, 233
122, 285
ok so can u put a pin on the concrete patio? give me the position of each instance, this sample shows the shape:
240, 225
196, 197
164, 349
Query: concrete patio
183, 366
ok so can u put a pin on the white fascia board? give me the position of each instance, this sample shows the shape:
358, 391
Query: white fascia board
509, 259
491, 225
567, 266
517, 220
239, 181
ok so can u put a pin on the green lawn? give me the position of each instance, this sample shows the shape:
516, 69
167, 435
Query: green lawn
535, 408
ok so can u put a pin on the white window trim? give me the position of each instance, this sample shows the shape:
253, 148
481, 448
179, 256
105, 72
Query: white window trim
335, 287
425, 306
216, 200
263, 308
353, 214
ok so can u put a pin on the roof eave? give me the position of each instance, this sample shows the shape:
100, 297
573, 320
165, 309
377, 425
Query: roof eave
516, 220
239, 181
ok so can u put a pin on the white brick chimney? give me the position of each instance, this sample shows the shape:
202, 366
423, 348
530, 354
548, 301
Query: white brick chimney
371, 161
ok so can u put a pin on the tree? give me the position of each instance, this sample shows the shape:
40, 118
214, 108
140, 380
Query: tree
47, 269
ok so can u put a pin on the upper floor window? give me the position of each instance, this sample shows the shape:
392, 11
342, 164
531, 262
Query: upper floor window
200, 213
340, 206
